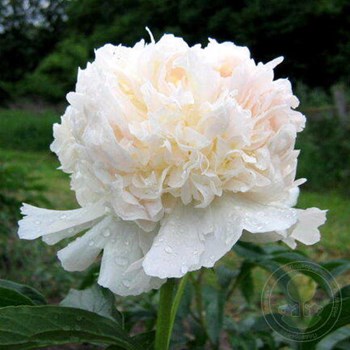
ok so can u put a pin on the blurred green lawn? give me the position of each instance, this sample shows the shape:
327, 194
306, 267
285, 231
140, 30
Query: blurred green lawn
24, 141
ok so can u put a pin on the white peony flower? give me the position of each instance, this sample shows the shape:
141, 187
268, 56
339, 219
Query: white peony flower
175, 153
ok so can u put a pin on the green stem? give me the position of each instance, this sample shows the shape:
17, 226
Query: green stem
168, 306
177, 300
164, 315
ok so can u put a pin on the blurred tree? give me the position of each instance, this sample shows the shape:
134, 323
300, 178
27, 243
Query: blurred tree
29, 30
313, 35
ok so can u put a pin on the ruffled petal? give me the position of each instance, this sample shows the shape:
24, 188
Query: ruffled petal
121, 267
55, 225
81, 253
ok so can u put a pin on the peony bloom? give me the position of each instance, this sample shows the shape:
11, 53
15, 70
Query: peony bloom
175, 153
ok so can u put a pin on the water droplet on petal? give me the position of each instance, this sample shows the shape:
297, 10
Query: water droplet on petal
126, 283
184, 269
91, 243
37, 222
63, 216
107, 233
168, 249
195, 252
121, 261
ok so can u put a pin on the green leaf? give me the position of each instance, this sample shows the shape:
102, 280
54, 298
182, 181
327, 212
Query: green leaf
95, 299
283, 278
337, 267
90, 277
9, 297
331, 340
249, 251
35, 327
30, 293
246, 282
214, 303
301, 264
344, 292
333, 316
225, 276
145, 341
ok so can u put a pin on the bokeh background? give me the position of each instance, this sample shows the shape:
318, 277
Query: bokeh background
43, 42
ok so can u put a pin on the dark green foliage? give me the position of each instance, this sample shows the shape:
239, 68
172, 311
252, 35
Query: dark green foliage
325, 154
56, 73
29, 30
312, 35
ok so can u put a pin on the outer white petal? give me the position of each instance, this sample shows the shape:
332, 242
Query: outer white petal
306, 230
56, 224
190, 238
81, 253
180, 242
121, 267
262, 217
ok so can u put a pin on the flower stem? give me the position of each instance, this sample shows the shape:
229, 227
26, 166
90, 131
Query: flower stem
168, 306
164, 315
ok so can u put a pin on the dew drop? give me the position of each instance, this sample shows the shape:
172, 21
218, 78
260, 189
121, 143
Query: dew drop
63, 216
121, 261
168, 249
126, 283
37, 222
77, 328
107, 233
127, 242
195, 252
91, 243
183, 269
